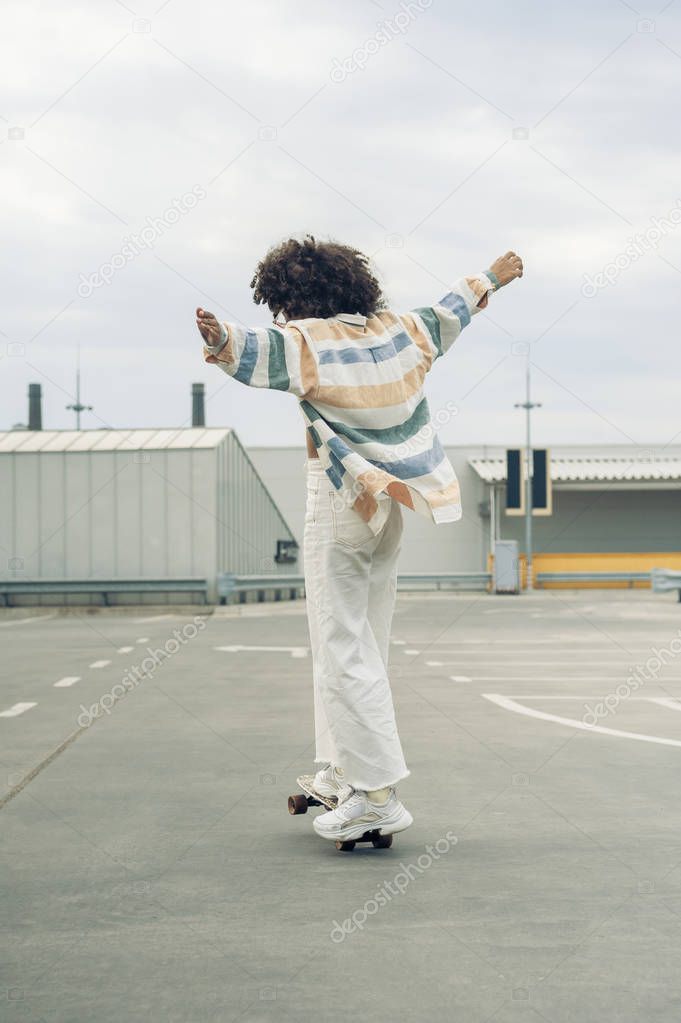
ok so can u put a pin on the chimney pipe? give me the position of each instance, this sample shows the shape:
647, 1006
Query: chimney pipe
198, 405
35, 407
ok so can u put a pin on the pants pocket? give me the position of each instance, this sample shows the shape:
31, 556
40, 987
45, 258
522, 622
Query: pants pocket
348, 528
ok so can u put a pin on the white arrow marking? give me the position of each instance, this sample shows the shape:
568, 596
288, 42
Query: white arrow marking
70, 680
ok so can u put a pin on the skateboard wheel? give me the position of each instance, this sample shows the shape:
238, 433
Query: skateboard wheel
297, 804
345, 846
382, 841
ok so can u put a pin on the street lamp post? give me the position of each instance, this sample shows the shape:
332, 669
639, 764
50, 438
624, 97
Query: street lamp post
528, 405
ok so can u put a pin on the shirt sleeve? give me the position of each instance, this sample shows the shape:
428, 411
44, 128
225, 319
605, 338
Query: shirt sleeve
270, 357
442, 323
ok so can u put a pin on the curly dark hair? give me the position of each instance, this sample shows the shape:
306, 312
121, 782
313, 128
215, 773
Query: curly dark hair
315, 279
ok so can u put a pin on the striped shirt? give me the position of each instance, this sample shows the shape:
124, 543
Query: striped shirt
359, 381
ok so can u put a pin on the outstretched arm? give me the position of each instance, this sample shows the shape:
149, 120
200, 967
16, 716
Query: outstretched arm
442, 323
259, 356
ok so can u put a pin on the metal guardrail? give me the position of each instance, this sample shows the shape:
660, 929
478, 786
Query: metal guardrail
100, 587
665, 579
592, 577
291, 587
240, 586
444, 581
231, 586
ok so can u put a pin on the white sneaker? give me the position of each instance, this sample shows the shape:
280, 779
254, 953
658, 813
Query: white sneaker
328, 782
358, 814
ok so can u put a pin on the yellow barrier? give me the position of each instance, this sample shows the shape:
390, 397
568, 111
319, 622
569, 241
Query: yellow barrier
615, 562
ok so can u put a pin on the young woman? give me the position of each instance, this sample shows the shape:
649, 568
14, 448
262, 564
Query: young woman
358, 371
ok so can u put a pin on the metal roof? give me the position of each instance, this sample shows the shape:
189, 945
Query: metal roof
20, 441
591, 470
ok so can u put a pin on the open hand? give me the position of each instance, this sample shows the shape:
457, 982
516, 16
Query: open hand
208, 327
507, 268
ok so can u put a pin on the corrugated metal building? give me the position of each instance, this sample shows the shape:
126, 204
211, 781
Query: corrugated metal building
614, 507
134, 504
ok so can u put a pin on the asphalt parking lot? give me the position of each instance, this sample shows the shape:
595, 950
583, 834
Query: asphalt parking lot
151, 870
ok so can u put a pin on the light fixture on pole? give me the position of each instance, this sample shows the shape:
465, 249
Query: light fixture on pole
528, 405
77, 406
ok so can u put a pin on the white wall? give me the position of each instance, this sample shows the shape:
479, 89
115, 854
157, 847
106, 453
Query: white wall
459, 546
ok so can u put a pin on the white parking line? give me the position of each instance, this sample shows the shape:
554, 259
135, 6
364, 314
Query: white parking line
99, 664
460, 678
26, 621
153, 618
412, 653
69, 680
518, 708
500, 644
294, 651
18, 708
584, 696
613, 664
125, 649
144, 639
505, 677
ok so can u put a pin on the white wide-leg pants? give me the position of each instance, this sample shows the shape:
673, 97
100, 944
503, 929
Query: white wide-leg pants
350, 584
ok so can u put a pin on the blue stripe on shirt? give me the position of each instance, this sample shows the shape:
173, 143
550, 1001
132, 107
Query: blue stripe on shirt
340, 449
455, 304
380, 353
336, 471
405, 468
416, 465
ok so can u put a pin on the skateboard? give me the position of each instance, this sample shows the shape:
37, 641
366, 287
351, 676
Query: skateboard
309, 797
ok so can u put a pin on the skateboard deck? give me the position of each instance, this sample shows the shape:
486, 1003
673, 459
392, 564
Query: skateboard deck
310, 797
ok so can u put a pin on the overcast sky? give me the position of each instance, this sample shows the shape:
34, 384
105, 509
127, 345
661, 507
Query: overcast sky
434, 144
